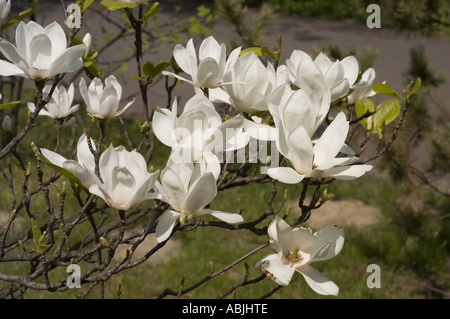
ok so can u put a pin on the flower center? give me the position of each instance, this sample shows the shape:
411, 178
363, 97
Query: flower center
294, 257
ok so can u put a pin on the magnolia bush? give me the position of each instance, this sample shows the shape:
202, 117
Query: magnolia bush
253, 118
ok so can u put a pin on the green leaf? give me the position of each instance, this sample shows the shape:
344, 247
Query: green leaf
154, 9
94, 70
148, 68
84, 4
118, 5
134, 76
417, 86
21, 16
362, 107
39, 238
388, 111
6, 105
36, 231
159, 68
256, 50
385, 89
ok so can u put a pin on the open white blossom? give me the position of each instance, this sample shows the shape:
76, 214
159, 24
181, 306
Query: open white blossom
60, 104
293, 108
318, 158
253, 84
212, 64
126, 181
40, 53
296, 249
82, 168
199, 128
321, 73
103, 102
188, 190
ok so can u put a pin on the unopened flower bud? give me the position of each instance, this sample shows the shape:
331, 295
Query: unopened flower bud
7, 124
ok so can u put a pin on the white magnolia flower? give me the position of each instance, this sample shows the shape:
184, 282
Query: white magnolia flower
318, 158
83, 168
253, 84
363, 88
315, 75
126, 181
188, 190
199, 128
60, 104
291, 109
103, 102
40, 53
296, 249
5, 6
209, 69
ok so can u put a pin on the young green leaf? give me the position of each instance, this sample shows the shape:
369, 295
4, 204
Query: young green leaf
154, 9
117, 5
255, 50
416, 87
362, 107
387, 112
21, 16
385, 89
6, 105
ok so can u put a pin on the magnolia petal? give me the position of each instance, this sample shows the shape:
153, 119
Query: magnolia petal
300, 150
165, 225
108, 161
285, 175
351, 69
201, 193
97, 189
334, 75
318, 282
209, 48
58, 37
230, 218
53, 157
262, 132
9, 69
80, 172
276, 232
339, 90
84, 91
329, 234
11, 52
112, 81
208, 73
41, 54
184, 57
125, 107
69, 61
277, 271
163, 127
179, 77
347, 172
323, 62
84, 154
331, 141
267, 257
